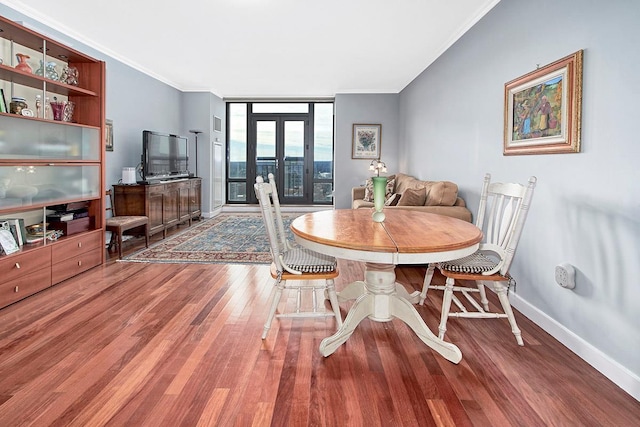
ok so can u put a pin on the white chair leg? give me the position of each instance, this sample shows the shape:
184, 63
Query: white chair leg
276, 294
333, 298
501, 290
446, 306
483, 295
427, 281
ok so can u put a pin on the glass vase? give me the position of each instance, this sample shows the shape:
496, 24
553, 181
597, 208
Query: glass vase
379, 192
58, 110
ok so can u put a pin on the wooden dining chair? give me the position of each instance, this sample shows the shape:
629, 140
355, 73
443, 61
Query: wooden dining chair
295, 267
118, 225
501, 216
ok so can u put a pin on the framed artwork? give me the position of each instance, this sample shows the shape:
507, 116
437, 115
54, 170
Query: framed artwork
542, 109
366, 141
108, 135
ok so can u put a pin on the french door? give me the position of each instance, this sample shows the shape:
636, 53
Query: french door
279, 144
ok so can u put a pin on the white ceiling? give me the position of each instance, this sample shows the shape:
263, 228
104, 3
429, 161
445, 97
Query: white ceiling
267, 48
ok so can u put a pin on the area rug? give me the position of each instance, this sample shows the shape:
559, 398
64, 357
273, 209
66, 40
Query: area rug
227, 238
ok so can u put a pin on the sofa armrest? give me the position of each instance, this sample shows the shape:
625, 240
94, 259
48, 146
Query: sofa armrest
357, 193
460, 202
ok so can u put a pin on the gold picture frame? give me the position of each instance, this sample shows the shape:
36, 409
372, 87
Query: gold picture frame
542, 109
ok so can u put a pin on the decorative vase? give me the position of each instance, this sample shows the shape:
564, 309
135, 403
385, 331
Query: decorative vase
379, 191
67, 115
69, 76
40, 70
50, 71
23, 65
58, 110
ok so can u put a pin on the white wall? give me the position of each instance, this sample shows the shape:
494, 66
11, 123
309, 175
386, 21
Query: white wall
586, 208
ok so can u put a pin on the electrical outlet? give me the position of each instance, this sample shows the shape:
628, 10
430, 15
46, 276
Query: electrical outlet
566, 275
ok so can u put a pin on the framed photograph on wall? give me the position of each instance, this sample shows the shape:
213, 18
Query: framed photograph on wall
366, 141
542, 109
108, 135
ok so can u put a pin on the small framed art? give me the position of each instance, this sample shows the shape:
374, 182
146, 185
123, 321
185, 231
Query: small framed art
366, 141
542, 109
108, 135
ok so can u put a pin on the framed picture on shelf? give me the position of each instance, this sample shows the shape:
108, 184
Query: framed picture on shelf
108, 135
366, 141
542, 109
7, 242
3, 102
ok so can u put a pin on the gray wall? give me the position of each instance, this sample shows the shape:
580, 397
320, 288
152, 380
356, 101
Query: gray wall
586, 209
197, 111
363, 109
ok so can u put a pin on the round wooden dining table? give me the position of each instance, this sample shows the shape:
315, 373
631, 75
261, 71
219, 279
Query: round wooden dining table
404, 237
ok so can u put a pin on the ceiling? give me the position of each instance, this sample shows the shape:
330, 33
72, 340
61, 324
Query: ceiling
267, 48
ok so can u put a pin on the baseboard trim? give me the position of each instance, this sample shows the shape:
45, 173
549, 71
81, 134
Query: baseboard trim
611, 369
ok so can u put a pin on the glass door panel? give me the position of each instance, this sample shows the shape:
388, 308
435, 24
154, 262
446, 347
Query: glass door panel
266, 160
280, 146
294, 132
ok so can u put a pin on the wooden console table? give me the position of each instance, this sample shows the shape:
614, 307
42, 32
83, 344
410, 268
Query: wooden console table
166, 204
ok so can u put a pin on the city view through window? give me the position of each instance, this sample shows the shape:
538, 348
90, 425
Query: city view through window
294, 141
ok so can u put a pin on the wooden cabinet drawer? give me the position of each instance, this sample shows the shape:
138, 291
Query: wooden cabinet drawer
156, 189
18, 265
25, 285
69, 267
75, 246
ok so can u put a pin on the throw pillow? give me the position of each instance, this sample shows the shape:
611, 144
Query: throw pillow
368, 189
392, 200
413, 197
442, 193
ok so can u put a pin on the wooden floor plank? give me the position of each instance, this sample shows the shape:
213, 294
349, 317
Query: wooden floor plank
179, 344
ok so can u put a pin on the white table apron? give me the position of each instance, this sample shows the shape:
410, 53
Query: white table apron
380, 298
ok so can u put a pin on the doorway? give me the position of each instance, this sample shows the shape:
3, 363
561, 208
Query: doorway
293, 141
281, 142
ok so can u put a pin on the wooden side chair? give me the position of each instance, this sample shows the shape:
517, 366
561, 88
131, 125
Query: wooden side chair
117, 225
294, 267
501, 215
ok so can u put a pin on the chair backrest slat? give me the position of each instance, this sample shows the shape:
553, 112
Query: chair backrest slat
269, 206
501, 215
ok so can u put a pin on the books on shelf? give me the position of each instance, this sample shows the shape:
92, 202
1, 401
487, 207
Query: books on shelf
60, 216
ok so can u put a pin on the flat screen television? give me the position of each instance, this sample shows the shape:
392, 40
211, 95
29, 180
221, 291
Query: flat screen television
164, 156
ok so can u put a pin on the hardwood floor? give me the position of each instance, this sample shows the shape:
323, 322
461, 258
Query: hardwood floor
132, 344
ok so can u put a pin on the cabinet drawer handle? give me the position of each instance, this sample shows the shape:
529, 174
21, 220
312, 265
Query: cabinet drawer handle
16, 289
79, 263
79, 244
17, 265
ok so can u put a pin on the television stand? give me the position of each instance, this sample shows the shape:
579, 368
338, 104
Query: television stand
166, 204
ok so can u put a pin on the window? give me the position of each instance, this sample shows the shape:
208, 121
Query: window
292, 140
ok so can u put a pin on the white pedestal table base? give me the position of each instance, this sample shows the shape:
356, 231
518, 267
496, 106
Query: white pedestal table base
379, 298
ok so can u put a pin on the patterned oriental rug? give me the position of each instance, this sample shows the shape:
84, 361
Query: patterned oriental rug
227, 238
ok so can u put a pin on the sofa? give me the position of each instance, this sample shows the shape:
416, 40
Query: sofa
407, 192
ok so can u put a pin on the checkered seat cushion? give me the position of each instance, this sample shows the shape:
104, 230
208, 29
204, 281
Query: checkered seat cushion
476, 263
308, 261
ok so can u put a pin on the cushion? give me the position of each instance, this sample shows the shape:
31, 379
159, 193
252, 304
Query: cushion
404, 182
475, 263
308, 261
413, 197
368, 189
392, 200
441, 193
